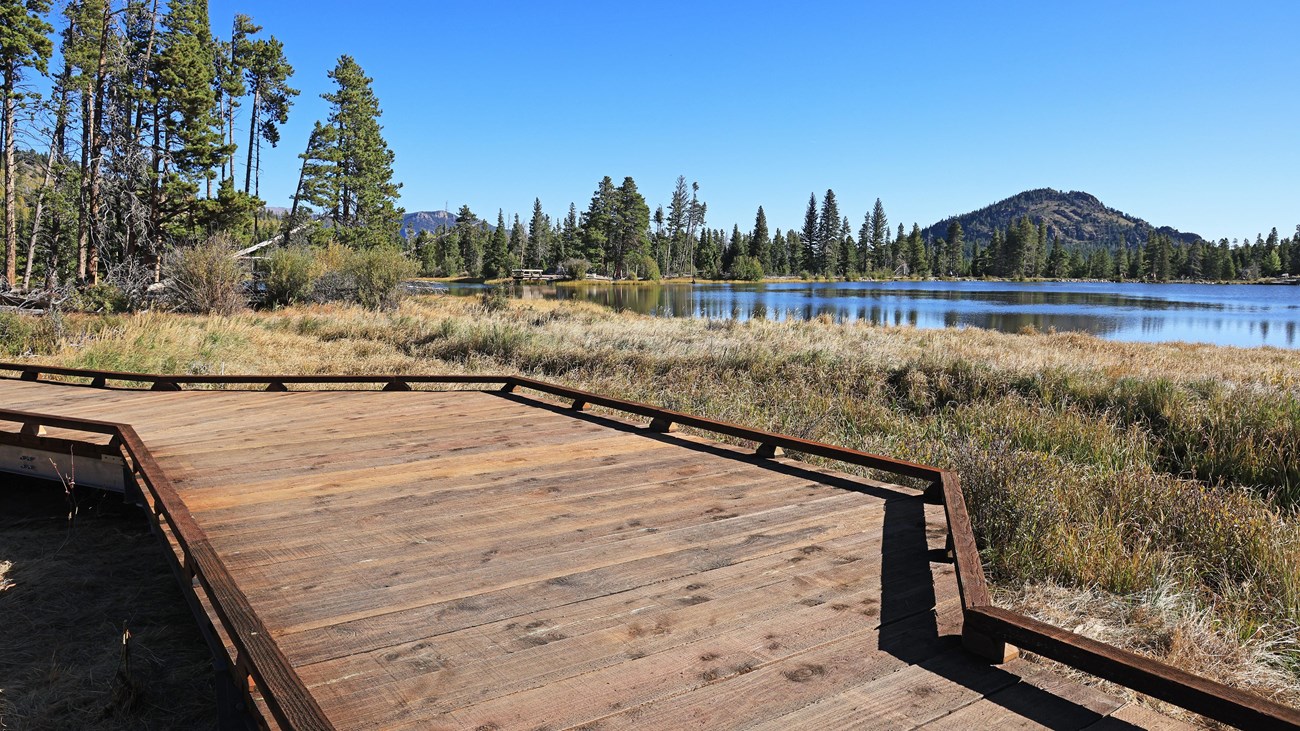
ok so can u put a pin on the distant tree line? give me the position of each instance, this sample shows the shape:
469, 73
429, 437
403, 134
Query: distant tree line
618, 237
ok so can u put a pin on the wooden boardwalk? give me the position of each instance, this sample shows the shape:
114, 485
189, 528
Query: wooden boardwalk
480, 560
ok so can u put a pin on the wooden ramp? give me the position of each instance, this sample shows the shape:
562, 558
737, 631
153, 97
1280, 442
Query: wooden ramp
483, 560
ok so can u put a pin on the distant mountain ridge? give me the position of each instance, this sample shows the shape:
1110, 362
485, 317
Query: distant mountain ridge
431, 221
1075, 217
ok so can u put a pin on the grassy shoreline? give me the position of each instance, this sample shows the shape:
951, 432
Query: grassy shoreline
1157, 477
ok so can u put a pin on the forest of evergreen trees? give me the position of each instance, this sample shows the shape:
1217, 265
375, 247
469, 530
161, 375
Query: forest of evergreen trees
619, 237
129, 114
135, 146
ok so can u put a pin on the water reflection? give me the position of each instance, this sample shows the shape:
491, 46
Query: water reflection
1244, 315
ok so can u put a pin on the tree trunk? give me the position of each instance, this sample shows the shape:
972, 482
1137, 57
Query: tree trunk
155, 193
11, 200
252, 134
83, 191
60, 114
97, 145
297, 192
148, 60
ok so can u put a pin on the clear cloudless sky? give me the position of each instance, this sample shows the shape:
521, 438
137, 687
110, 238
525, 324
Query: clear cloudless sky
1184, 113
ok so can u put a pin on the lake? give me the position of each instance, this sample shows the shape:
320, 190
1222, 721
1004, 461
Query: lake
1244, 315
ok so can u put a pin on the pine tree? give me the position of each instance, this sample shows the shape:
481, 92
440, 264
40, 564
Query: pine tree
267, 74
539, 230
848, 250
865, 258
780, 257
87, 41
808, 250
760, 242
954, 250
518, 241
188, 117
918, 264
898, 251
469, 242
597, 221
879, 237
569, 239
231, 59
828, 236
365, 213
23, 44
630, 225
496, 259
1056, 260
733, 250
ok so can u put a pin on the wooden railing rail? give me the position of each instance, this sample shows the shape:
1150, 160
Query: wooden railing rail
987, 630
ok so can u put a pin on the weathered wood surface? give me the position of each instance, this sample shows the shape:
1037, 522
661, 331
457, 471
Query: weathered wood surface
478, 560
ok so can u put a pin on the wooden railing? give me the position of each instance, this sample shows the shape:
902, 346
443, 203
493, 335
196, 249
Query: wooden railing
987, 630
258, 657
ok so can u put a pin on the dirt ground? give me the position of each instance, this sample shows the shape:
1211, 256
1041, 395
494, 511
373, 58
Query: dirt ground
69, 587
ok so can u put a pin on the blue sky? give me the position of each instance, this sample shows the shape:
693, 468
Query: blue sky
1184, 113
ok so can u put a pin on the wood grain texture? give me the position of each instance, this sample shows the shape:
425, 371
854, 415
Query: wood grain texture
467, 559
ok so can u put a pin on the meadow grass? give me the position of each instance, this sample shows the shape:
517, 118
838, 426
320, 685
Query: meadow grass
1131, 471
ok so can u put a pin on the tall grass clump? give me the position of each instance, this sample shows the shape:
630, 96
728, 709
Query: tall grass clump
207, 278
24, 334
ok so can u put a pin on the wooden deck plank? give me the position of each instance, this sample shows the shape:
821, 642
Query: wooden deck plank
783, 614
463, 559
577, 574
456, 541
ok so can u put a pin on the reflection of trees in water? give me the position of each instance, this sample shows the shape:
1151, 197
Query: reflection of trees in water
1027, 296
1244, 323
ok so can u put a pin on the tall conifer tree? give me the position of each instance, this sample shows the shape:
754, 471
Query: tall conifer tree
23, 45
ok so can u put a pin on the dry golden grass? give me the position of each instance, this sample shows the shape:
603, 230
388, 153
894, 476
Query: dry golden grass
67, 589
1124, 469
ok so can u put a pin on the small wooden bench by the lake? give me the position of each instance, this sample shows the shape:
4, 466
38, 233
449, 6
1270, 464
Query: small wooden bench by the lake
490, 559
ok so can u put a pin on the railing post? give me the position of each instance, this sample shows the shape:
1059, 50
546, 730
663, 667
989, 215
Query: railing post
580, 405
397, 384
984, 646
663, 425
769, 451
276, 386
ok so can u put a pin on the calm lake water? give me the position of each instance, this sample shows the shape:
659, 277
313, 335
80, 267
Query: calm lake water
1245, 315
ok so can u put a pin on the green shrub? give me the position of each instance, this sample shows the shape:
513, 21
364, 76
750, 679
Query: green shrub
207, 278
378, 275
644, 266
288, 276
104, 297
747, 268
576, 268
